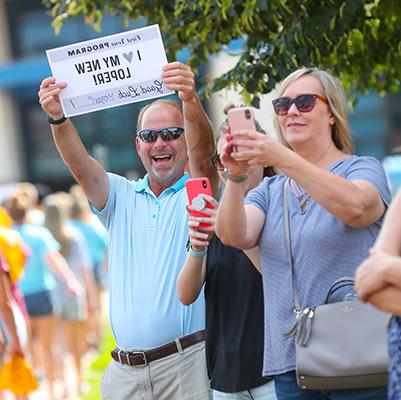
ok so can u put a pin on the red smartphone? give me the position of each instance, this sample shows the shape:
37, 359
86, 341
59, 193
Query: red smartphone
194, 187
240, 118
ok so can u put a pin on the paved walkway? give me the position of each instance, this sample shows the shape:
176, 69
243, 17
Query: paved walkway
65, 390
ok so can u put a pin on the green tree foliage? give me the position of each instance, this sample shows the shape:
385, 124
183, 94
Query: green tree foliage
358, 40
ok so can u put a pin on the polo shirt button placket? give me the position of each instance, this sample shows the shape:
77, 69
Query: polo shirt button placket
154, 214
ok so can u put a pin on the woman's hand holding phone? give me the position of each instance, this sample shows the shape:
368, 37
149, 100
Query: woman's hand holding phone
202, 228
227, 155
239, 119
246, 146
262, 150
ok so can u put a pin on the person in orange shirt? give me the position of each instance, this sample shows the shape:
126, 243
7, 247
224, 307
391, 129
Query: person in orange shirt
12, 324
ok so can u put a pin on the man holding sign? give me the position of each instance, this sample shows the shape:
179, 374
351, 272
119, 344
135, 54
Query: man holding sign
110, 71
160, 343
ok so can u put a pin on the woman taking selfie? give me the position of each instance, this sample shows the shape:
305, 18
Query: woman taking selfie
336, 203
233, 298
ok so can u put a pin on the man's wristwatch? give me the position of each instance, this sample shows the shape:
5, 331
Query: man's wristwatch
235, 178
56, 121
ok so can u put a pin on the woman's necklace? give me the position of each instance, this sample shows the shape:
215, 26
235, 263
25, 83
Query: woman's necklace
302, 197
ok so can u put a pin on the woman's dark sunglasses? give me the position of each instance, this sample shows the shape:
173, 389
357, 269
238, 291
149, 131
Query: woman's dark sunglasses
303, 102
217, 162
150, 135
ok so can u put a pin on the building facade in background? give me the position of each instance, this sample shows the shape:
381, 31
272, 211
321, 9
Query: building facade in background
27, 151
26, 145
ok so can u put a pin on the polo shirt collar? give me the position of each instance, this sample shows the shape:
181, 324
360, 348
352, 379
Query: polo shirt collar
143, 184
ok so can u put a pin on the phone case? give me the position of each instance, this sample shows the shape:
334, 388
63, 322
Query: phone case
194, 187
240, 118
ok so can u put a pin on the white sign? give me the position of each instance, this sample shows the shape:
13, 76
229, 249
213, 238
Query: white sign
110, 71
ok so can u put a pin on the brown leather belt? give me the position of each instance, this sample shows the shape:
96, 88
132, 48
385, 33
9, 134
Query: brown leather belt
141, 358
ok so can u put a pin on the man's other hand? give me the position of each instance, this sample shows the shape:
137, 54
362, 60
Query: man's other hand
179, 77
49, 97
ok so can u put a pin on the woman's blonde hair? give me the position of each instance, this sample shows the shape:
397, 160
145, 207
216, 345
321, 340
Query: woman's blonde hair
30, 190
17, 207
56, 207
79, 204
334, 93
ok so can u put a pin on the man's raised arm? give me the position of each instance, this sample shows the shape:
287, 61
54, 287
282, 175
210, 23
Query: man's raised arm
87, 171
198, 129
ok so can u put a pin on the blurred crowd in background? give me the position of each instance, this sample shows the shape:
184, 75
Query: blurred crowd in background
54, 265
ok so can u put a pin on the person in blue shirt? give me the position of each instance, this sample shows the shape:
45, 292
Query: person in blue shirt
38, 282
233, 298
336, 203
72, 311
160, 343
95, 237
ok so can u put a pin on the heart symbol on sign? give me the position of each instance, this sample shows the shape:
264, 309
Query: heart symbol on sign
128, 56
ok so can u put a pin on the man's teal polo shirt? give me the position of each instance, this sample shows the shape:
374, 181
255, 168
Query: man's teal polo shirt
147, 249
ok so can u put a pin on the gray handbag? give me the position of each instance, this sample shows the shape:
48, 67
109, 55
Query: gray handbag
340, 345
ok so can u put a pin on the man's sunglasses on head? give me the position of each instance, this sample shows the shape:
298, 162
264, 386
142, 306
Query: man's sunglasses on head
150, 135
304, 103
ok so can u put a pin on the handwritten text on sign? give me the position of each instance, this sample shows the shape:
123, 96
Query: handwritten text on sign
110, 71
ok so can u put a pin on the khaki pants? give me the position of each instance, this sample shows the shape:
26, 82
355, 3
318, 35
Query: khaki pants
180, 376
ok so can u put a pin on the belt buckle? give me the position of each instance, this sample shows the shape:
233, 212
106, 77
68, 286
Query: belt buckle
124, 354
143, 354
